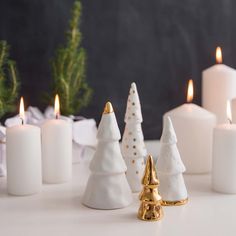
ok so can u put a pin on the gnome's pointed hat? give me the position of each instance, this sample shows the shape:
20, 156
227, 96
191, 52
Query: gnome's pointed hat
133, 110
150, 175
168, 133
108, 128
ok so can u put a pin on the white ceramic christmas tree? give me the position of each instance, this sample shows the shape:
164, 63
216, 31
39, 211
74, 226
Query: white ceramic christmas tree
107, 187
170, 168
133, 147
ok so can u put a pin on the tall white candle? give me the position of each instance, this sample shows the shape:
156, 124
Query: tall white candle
224, 157
218, 85
56, 149
23, 153
194, 127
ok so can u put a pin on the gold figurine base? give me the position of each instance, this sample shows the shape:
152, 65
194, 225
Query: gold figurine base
150, 212
174, 203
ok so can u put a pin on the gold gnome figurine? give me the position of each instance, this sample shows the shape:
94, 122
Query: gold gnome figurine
150, 208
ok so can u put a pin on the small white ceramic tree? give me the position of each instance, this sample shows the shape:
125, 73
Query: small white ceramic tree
170, 168
107, 187
133, 147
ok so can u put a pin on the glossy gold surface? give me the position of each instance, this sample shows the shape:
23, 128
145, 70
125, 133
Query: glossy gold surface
174, 203
108, 108
150, 176
150, 208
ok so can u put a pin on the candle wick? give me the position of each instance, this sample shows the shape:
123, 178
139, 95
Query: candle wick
22, 120
57, 116
230, 121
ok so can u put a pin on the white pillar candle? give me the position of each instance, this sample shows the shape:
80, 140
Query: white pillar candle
224, 158
218, 85
193, 126
56, 149
23, 152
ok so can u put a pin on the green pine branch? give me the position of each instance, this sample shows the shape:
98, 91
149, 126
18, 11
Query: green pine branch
9, 83
69, 68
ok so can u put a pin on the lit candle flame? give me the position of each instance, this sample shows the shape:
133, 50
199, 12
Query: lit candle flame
22, 110
57, 106
190, 91
218, 55
228, 111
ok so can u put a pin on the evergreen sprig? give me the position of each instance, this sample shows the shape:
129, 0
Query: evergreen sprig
9, 83
69, 68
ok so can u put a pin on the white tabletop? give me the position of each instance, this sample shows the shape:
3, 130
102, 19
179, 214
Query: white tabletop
57, 210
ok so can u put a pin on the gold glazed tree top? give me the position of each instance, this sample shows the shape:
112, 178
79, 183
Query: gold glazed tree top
108, 108
150, 207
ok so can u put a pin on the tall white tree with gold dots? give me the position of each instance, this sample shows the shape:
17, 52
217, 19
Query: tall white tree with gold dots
133, 147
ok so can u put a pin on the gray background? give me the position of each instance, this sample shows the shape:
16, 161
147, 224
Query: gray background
159, 44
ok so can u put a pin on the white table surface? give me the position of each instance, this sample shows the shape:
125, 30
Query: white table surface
57, 210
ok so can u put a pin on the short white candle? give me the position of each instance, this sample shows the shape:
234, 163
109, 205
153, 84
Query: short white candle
23, 153
224, 157
218, 85
194, 126
56, 149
